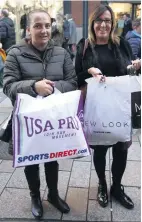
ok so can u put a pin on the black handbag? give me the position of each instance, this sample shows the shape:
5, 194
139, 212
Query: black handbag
136, 110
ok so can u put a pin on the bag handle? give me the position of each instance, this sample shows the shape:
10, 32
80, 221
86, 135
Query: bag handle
56, 92
85, 46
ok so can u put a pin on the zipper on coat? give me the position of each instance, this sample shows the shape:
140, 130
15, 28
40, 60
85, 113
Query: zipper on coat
44, 68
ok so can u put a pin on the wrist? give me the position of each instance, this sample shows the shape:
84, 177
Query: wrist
88, 70
34, 88
53, 89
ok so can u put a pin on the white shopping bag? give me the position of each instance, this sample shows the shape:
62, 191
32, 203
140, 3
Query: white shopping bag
48, 129
107, 112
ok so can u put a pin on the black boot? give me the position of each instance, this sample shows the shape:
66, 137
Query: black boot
57, 202
118, 193
32, 176
36, 206
102, 195
51, 174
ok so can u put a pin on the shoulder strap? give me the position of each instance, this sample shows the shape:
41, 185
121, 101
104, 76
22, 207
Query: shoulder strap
85, 46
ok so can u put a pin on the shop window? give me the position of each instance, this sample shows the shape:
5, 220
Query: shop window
121, 8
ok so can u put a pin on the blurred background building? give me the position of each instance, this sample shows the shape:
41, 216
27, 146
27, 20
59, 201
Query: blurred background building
80, 10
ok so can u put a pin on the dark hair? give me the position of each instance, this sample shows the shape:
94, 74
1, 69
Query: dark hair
96, 14
136, 23
29, 16
5, 12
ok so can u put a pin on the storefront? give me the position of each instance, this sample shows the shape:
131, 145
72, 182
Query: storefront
119, 8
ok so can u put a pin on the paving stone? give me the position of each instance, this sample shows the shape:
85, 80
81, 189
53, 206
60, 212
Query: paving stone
139, 139
122, 214
85, 159
4, 155
15, 203
135, 138
62, 184
65, 164
134, 152
3, 117
50, 212
132, 175
18, 179
80, 174
6, 166
94, 184
4, 177
98, 213
2, 96
107, 160
77, 200
6, 103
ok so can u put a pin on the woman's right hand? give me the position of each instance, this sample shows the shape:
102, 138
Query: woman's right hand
44, 87
95, 72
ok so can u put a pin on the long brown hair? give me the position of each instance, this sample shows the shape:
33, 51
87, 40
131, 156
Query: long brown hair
96, 14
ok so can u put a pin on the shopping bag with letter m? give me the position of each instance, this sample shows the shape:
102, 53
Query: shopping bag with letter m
136, 101
107, 113
48, 129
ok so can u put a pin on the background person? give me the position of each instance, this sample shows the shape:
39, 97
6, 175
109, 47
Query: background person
73, 34
127, 24
7, 30
134, 38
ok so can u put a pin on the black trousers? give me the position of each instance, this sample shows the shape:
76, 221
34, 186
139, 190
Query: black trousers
51, 175
119, 154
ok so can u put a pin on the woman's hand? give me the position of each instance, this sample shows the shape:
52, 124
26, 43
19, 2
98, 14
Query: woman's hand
137, 64
44, 87
95, 72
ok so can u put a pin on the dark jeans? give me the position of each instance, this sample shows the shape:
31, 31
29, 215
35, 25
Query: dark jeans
119, 154
51, 175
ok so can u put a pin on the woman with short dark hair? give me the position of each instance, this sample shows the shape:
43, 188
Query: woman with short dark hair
35, 67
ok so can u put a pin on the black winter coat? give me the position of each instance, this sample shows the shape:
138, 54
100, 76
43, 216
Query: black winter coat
23, 67
134, 40
123, 56
7, 33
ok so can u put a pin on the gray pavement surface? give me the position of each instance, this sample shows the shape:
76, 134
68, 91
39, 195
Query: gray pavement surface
77, 185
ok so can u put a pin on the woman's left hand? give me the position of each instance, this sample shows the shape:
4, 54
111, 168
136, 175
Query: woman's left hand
137, 64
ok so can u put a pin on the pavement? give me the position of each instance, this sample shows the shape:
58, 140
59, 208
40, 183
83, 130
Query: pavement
77, 185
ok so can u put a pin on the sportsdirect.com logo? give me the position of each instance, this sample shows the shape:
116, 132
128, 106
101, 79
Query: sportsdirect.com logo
44, 156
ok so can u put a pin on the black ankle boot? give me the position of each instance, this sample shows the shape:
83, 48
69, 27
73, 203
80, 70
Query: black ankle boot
102, 195
118, 193
36, 206
57, 202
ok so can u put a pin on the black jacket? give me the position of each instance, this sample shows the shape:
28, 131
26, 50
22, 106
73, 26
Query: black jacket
127, 27
134, 40
23, 67
123, 56
7, 33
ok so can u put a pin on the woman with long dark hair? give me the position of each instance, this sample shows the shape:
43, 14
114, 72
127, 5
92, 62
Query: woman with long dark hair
105, 51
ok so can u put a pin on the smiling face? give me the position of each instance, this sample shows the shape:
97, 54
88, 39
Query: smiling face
40, 29
102, 27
